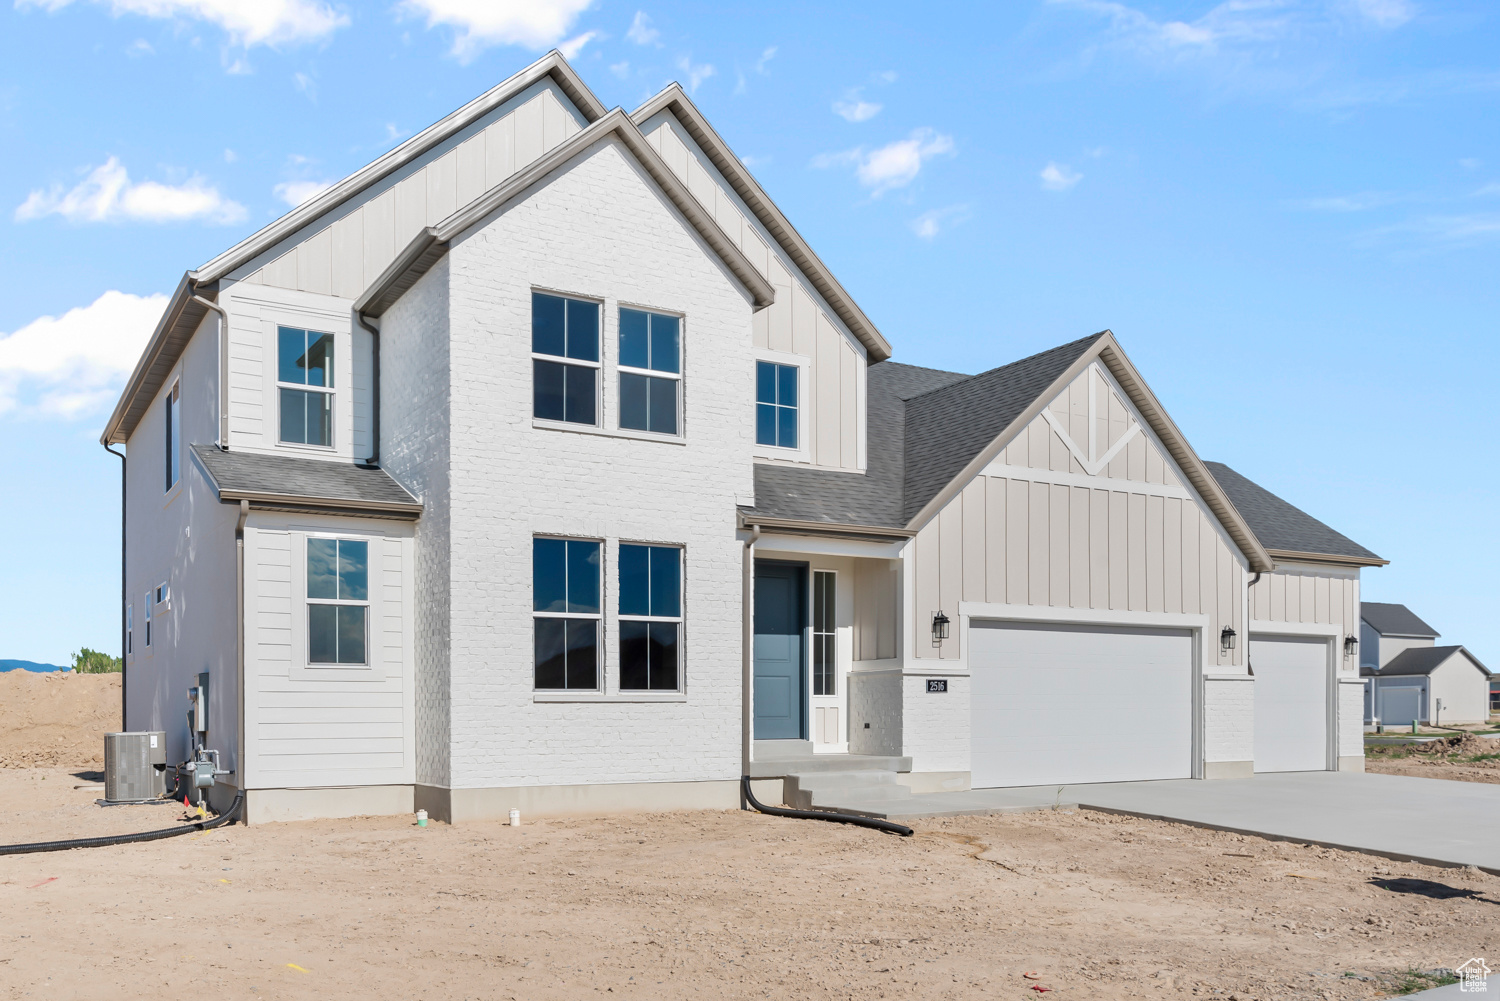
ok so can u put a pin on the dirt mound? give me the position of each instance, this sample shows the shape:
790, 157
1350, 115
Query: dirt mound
53, 720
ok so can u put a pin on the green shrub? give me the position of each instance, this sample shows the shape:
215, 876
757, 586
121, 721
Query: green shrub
88, 661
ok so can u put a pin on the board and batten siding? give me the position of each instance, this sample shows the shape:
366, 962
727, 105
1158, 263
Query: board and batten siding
1308, 595
798, 323
343, 252
345, 727
1036, 529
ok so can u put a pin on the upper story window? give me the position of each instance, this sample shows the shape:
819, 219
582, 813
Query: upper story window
174, 435
650, 371
565, 605
338, 601
775, 404
304, 376
565, 359
650, 617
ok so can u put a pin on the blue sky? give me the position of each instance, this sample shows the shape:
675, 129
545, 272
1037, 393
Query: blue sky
1287, 210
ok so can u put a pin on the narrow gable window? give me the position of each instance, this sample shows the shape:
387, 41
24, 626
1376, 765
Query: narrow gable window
650, 617
775, 404
564, 359
650, 371
565, 606
338, 601
174, 435
304, 377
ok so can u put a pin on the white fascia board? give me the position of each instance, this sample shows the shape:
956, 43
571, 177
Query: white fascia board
551, 65
674, 99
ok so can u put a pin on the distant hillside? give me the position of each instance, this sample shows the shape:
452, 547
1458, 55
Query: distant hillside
28, 665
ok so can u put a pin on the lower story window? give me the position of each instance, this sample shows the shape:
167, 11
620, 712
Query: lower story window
824, 647
565, 609
338, 601
650, 618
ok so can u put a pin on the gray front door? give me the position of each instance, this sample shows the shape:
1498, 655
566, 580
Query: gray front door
780, 614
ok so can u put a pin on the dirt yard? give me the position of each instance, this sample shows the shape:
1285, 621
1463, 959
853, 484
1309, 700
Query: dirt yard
1464, 758
697, 906
56, 719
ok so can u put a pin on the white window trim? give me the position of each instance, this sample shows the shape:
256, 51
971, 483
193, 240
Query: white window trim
147, 624
680, 619
172, 418
623, 369
803, 452
601, 635
301, 667
331, 391
129, 631
597, 366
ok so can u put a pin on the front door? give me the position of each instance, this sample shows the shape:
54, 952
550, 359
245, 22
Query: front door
780, 613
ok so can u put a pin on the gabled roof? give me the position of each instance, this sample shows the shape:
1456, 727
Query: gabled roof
675, 100
1390, 619
433, 242
932, 432
185, 310
286, 481
1424, 660
1288, 532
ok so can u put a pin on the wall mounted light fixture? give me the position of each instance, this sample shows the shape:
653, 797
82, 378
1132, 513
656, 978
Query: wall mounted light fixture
940, 627
1351, 645
1226, 639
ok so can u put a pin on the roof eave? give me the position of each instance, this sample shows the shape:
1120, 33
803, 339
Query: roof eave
271, 497
675, 99
550, 65
1335, 559
115, 432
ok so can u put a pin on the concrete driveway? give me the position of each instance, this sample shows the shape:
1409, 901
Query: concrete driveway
1432, 821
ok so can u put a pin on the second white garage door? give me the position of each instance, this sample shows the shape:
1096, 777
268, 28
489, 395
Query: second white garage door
1056, 704
1291, 703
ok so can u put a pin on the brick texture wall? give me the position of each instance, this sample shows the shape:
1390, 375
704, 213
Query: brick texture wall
1229, 719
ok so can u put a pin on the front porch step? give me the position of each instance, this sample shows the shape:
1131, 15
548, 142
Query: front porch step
812, 764
826, 790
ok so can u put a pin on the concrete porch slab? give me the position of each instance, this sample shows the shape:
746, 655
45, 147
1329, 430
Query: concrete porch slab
1432, 821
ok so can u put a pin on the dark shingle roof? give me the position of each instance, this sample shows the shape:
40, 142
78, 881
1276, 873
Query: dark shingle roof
1281, 526
925, 426
1424, 660
316, 482
1390, 619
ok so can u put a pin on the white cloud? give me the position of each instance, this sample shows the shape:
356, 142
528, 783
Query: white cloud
1059, 177
1492, 188
248, 22
479, 24
139, 47
641, 32
230, 155
1386, 13
1360, 202
108, 195
929, 224
893, 165
1233, 21
1445, 231
294, 193
856, 110
307, 85
765, 57
1469, 163
573, 46
72, 365
695, 74
620, 69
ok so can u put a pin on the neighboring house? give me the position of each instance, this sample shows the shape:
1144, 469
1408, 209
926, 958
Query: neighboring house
1410, 679
541, 463
1303, 634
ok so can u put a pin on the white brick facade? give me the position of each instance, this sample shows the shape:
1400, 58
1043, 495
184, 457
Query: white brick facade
1351, 720
597, 229
1228, 720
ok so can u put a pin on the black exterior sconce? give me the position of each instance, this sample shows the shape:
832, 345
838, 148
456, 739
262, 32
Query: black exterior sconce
1226, 639
940, 628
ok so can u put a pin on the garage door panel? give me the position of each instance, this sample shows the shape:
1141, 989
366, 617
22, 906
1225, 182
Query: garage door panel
1291, 703
1063, 704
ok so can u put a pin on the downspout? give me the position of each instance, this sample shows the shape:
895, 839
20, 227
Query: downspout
747, 587
1249, 668
239, 644
374, 459
223, 441
124, 588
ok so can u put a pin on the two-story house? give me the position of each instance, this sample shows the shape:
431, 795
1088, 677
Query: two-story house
1410, 679
542, 464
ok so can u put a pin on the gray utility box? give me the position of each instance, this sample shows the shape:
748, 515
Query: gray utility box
135, 766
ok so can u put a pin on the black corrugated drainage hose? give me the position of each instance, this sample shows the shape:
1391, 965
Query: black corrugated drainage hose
837, 818
227, 817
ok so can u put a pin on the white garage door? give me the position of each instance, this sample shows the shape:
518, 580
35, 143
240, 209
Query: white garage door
1068, 704
1291, 703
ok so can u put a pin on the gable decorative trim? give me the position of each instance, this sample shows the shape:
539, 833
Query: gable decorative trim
1091, 461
